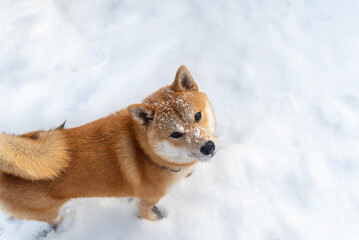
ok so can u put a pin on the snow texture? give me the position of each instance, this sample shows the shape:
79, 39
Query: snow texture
283, 79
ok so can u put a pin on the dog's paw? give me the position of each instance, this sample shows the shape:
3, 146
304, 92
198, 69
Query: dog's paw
55, 222
159, 213
154, 214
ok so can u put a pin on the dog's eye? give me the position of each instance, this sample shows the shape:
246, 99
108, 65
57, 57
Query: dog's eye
198, 116
176, 135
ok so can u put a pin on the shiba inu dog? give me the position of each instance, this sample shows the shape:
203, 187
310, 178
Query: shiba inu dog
137, 152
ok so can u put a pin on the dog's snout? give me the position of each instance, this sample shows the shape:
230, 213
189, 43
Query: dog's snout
208, 148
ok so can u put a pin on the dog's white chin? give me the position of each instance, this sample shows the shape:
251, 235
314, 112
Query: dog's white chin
174, 154
204, 158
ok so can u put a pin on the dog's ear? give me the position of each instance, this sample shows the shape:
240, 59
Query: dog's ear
142, 113
183, 81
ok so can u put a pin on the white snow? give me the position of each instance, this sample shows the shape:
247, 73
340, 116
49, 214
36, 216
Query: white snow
283, 79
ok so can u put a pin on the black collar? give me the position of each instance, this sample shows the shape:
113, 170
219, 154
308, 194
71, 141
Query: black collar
172, 170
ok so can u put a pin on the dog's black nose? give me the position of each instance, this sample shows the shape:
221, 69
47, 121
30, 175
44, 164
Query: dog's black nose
208, 148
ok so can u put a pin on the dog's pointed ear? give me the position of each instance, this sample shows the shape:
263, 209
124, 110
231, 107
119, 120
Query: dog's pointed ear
183, 81
142, 113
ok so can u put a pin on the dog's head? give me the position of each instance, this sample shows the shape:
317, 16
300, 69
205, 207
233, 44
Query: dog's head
177, 122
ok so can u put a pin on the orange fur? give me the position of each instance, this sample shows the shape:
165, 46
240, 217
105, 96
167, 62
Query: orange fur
128, 153
34, 159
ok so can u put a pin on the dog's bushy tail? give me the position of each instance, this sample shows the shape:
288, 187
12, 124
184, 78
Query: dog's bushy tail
40, 155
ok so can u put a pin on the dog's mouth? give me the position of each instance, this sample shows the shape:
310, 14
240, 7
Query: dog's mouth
204, 158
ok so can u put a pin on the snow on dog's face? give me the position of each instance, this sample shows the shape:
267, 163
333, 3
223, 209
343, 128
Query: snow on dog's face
179, 121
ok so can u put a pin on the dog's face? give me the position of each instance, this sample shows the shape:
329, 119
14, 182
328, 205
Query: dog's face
178, 121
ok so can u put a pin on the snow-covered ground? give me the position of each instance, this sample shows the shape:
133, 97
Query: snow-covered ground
283, 78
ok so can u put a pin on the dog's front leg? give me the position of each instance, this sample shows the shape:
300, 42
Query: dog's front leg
148, 210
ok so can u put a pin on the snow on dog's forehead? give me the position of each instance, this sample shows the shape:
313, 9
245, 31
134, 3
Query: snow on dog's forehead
174, 109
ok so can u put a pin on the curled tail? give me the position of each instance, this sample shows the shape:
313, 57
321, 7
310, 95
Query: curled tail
36, 156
